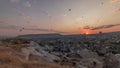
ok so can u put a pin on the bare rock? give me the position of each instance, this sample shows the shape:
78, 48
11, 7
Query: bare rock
90, 63
111, 61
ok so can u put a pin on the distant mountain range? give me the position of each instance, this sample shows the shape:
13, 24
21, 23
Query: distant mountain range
4, 37
52, 35
56, 35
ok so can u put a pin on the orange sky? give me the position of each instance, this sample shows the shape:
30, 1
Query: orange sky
59, 16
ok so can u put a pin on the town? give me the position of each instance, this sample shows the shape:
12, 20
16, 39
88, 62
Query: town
100, 50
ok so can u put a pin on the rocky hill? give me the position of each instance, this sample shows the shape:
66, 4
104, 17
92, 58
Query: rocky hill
62, 51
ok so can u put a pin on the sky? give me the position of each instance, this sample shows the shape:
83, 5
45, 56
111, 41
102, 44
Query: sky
59, 16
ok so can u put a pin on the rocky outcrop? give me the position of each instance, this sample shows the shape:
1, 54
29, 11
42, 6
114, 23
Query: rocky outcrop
111, 61
90, 63
118, 58
37, 52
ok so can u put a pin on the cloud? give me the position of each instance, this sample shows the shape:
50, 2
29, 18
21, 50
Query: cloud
5, 21
64, 15
21, 14
105, 26
24, 16
21, 28
87, 27
47, 13
2, 22
38, 29
27, 4
113, 1
117, 10
79, 19
101, 27
5, 26
46, 30
14, 1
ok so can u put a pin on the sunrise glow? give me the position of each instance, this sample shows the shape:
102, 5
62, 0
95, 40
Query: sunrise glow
59, 16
